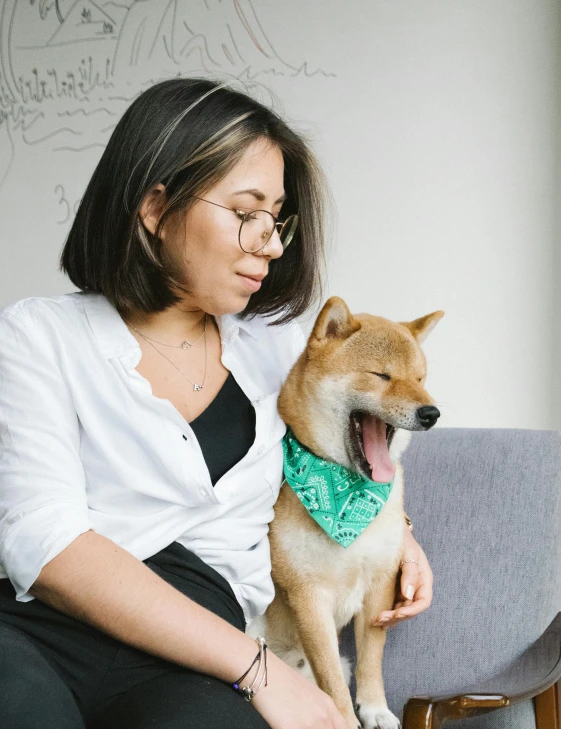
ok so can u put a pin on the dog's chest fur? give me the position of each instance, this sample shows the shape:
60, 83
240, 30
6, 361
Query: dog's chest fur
301, 551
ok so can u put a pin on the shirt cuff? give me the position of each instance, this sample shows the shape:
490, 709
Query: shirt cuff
33, 541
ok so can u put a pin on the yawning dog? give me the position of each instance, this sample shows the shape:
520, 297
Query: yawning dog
337, 535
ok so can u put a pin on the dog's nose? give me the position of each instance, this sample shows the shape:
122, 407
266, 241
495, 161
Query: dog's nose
428, 415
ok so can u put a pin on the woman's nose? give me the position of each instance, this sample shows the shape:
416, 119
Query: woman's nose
273, 247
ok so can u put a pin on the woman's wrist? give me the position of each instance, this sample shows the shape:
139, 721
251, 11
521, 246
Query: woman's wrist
249, 688
408, 537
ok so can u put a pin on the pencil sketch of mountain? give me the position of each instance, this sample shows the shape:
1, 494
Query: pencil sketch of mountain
219, 36
69, 68
84, 21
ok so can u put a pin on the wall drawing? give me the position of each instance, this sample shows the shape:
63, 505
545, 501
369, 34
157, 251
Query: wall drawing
69, 68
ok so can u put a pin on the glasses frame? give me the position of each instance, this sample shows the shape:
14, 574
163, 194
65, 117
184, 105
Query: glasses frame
245, 216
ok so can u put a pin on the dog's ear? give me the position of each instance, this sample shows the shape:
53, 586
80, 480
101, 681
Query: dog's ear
335, 321
421, 328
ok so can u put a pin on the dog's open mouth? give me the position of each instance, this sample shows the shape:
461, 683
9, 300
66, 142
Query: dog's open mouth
371, 439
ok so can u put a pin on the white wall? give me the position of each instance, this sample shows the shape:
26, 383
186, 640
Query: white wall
556, 385
437, 123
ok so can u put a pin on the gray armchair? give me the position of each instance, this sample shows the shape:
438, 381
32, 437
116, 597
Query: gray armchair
486, 508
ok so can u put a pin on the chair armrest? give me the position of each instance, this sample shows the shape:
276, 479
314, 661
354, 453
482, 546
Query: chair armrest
537, 669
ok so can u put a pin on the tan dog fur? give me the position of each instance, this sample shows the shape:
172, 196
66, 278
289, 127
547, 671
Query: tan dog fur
320, 585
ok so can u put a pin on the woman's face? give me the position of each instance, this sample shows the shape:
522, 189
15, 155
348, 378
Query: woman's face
206, 253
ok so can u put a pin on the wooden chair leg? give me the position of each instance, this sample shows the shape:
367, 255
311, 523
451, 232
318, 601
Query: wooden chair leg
420, 714
548, 708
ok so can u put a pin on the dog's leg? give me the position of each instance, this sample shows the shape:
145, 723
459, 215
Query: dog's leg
313, 616
370, 698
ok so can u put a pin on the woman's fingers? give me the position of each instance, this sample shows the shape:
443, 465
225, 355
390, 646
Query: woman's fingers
387, 618
414, 588
408, 585
420, 602
407, 609
409, 579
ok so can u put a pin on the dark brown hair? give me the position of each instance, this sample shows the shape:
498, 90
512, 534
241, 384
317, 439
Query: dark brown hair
188, 134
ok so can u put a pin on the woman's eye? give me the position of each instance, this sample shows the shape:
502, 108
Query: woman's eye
248, 215
382, 375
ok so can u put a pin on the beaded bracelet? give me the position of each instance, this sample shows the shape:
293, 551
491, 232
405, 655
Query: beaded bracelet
248, 692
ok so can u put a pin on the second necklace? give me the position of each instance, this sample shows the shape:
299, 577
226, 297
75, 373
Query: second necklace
195, 385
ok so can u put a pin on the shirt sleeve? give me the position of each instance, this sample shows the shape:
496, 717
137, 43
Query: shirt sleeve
43, 505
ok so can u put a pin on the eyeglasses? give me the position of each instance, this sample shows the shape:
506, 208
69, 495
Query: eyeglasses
258, 226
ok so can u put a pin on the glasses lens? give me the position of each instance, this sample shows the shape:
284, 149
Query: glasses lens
256, 230
288, 229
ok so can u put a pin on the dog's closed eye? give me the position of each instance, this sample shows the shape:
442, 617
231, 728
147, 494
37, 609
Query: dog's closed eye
382, 375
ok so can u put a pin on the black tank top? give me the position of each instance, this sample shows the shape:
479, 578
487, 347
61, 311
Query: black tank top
226, 429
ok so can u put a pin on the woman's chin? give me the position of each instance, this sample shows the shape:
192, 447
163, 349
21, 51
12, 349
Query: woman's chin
233, 306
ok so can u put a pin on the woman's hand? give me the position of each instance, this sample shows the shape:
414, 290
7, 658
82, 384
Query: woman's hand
413, 590
290, 701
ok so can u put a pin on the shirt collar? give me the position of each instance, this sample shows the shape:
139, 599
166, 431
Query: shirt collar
116, 340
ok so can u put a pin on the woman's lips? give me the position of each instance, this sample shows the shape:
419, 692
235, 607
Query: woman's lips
251, 283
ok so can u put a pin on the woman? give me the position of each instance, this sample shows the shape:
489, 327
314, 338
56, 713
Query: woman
140, 444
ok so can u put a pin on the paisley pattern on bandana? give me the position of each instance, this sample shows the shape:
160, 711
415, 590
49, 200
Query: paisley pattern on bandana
341, 501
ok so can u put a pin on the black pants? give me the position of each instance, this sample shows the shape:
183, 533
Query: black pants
57, 672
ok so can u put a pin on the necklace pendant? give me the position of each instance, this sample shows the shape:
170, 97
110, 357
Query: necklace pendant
185, 345
197, 387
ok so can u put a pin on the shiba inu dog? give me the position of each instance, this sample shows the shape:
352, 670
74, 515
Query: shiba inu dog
348, 402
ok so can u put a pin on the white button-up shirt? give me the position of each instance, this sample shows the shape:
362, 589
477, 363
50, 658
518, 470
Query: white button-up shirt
84, 444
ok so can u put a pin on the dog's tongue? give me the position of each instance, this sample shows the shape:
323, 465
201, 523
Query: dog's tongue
376, 449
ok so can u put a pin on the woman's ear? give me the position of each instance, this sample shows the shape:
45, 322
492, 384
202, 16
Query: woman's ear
151, 208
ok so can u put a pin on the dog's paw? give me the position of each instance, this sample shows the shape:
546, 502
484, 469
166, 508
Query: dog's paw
376, 717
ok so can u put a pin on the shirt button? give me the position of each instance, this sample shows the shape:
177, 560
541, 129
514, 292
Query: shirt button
260, 450
202, 493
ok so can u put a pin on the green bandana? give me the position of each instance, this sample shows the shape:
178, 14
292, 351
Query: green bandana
341, 501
